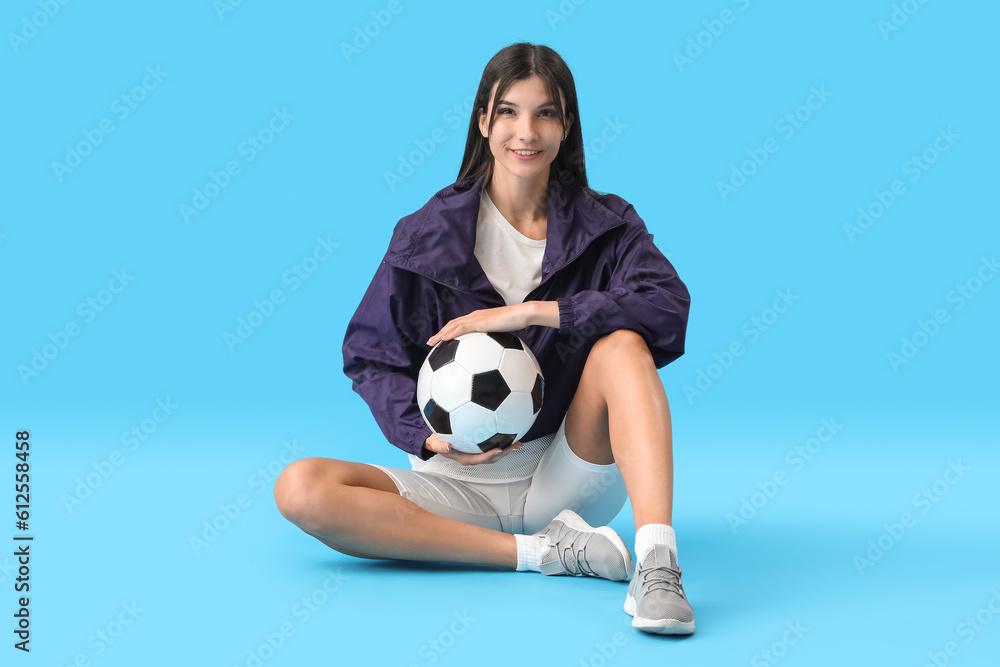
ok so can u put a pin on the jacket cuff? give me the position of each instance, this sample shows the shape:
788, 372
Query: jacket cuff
411, 440
567, 314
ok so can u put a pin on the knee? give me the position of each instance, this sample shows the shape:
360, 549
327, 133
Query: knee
297, 488
618, 345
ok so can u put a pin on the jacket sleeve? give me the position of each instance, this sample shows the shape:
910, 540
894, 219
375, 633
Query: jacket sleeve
643, 294
383, 365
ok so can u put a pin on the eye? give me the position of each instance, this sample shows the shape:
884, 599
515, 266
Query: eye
504, 109
548, 112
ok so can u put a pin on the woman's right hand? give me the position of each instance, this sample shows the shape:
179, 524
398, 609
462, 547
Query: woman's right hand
442, 447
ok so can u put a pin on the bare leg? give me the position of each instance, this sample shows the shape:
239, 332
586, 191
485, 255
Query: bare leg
620, 415
356, 509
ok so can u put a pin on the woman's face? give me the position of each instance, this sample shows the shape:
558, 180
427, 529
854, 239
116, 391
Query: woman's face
526, 130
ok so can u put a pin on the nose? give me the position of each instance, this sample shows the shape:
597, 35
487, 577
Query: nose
527, 130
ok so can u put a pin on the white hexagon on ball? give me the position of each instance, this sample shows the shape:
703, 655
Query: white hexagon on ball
473, 423
518, 370
515, 414
460, 445
423, 386
478, 353
533, 358
451, 386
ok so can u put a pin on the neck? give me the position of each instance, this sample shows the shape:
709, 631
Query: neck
523, 202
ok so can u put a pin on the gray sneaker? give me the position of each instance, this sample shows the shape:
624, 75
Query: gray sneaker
656, 599
578, 549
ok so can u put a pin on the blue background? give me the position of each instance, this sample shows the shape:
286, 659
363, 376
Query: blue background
684, 125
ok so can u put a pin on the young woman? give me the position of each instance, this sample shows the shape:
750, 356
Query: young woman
518, 243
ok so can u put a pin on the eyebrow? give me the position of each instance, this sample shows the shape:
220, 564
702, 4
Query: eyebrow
540, 106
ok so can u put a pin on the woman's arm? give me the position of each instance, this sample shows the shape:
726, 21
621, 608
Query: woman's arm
644, 294
502, 318
383, 367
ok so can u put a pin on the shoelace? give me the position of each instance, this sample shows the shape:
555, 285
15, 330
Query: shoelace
662, 578
573, 555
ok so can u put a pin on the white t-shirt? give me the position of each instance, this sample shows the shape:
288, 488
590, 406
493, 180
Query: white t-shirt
511, 260
513, 264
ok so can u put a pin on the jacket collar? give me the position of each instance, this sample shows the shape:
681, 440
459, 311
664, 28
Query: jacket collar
438, 241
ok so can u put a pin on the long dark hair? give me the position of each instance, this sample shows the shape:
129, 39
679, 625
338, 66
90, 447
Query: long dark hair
514, 63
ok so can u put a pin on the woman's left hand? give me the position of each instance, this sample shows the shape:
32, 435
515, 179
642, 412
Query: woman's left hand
501, 318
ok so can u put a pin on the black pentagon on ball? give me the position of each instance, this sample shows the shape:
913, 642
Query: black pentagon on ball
536, 394
500, 440
439, 418
443, 353
506, 339
489, 389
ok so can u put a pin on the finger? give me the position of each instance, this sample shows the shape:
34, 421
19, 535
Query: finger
439, 446
510, 449
437, 336
474, 459
452, 331
456, 328
445, 333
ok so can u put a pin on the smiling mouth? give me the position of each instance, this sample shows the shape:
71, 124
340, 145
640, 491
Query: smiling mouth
524, 152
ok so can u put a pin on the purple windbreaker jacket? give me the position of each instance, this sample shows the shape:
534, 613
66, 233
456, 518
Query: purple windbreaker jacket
599, 264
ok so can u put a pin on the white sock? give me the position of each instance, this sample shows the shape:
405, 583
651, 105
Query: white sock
530, 549
650, 534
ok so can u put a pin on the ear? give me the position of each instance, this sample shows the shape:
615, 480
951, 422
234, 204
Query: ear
569, 125
483, 129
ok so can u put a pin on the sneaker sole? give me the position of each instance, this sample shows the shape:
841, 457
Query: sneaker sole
575, 521
661, 627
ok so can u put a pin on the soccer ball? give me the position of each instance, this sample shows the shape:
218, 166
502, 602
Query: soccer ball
480, 391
